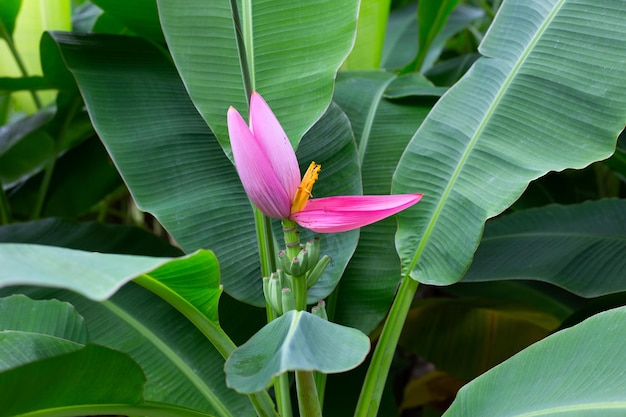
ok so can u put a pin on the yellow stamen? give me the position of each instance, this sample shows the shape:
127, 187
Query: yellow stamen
304, 189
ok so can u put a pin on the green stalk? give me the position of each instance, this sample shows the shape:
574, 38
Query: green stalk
378, 370
265, 242
49, 169
292, 243
18, 60
306, 387
242, 35
308, 402
320, 377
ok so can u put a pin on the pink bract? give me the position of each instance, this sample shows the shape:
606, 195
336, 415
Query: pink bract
268, 169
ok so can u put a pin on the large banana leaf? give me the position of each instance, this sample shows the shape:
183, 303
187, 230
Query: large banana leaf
181, 366
572, 373
176, 170
548, 94
579, 247
85, 386
293, 50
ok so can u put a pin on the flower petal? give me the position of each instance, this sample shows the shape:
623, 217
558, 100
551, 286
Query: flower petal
257, 174
272, 138
343, 213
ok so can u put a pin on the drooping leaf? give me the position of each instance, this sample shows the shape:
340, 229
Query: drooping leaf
49, 317
516, 115
95, 275
588, 356
31, 330
297, 340
13, 133
579, 247
72, 379
293, 68
181, 366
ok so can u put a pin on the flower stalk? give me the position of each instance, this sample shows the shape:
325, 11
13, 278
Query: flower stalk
267, 166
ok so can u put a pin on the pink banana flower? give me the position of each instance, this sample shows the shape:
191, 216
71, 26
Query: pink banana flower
268, 169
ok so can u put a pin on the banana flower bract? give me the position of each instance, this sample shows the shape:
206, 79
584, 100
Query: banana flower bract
268, 169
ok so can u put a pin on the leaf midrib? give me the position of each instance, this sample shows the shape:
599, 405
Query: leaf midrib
613, 405
554, 235
465, 156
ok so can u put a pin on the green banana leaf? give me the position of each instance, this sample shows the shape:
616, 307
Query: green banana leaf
578, 247
297, 340
292, 52
98, 275
548, 94
370, 36
181, 367
37, 329
41, 386
578, 372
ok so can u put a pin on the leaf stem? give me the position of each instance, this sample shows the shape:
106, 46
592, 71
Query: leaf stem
242, 47
378, 370
265, 242
18, 60
49, 168
308, 402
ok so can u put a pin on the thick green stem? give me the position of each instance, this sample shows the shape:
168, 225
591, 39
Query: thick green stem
265, 241
378, 370
292, 238
308, 402
283, 395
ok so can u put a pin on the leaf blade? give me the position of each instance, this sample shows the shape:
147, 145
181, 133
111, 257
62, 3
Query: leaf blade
528, 121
